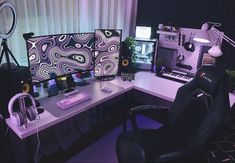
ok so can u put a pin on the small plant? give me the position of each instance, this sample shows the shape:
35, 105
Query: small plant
130, 44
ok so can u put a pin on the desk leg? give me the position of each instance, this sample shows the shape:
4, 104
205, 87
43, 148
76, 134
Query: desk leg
19, 148
4, 143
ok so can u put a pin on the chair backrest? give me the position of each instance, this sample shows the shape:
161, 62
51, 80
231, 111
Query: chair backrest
200, 107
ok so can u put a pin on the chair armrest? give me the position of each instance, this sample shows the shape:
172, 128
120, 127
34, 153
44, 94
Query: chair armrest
176, 156
144, 108
158, 113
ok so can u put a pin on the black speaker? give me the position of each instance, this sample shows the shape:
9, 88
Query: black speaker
16, 80
125, 62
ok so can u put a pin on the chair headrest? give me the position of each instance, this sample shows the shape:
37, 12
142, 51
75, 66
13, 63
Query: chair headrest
209, 77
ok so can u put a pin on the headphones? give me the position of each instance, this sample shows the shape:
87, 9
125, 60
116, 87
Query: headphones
19, 118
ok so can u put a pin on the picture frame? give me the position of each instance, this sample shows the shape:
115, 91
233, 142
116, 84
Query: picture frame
205, 58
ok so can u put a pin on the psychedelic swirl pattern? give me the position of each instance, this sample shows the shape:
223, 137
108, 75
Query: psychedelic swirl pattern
59, 55
107, 46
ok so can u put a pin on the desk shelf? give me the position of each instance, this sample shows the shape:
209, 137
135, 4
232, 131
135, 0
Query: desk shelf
168, 33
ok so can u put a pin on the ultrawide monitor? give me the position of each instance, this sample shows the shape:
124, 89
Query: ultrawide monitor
58, 55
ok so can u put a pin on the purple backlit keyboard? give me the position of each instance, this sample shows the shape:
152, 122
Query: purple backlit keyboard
72, 100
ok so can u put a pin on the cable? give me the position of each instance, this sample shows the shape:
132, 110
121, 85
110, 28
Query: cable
36, 157
38, 116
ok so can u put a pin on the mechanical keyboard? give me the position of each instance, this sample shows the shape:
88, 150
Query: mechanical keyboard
72, 100
177, 75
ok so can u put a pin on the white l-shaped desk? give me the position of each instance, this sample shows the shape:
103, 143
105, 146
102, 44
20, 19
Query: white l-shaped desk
146, 82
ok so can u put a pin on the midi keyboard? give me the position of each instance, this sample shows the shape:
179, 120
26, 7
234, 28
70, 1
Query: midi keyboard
177, 75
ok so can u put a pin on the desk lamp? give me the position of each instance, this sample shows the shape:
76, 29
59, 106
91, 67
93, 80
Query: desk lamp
203, 37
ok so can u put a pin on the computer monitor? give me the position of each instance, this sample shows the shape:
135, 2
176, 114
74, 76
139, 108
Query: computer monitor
59, 55
143, 32
107, 49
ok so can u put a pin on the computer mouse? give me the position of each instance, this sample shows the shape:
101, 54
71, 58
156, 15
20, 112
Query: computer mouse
106, 89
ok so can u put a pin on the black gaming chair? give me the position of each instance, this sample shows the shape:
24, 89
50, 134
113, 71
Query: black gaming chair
195, 117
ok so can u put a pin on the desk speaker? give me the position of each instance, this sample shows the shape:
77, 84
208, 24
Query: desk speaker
13, 81
125, 61
124, 64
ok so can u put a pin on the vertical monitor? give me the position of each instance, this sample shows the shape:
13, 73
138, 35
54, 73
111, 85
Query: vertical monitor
107, 49
58, 55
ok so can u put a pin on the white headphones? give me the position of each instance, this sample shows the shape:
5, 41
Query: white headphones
19, 118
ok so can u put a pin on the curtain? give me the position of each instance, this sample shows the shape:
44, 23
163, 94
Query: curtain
45, 17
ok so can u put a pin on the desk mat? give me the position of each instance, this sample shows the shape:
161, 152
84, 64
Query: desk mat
93, 89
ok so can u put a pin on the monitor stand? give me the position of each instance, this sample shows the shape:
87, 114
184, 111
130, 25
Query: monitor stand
80, 78
70, 83
82, 82
69, 90
105, 78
